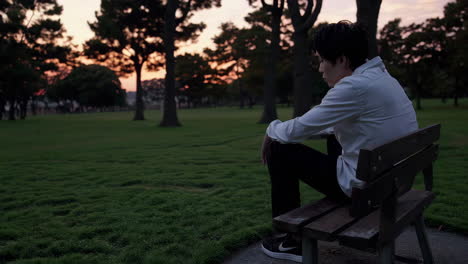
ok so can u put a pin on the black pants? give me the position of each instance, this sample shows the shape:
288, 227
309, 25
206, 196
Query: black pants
289, 163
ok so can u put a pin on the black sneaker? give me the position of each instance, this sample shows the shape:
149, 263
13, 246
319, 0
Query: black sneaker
283, 248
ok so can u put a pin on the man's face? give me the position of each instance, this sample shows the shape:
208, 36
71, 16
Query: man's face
332, 73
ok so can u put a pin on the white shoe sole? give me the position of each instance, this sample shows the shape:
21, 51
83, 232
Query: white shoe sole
278, 255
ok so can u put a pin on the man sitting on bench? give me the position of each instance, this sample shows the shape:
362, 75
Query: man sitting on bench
365, 107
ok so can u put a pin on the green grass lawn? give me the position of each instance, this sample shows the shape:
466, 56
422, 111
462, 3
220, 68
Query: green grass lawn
99, 188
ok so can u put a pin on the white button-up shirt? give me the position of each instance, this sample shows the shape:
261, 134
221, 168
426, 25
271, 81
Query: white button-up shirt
365, 109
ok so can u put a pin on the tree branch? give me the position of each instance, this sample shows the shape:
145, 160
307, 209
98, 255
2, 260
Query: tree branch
311, 19
308, 11
29, 21
268, 7
282, 5
185, 12
295, 14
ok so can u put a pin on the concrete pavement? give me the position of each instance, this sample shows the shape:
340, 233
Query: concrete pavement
447, 248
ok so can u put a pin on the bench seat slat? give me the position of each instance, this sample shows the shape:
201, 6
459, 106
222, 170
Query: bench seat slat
364, 233
326, 226
294, 220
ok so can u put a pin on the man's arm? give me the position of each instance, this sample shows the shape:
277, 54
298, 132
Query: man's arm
323, 134
341, 102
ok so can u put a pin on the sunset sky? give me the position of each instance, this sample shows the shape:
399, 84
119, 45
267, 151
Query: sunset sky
76, 14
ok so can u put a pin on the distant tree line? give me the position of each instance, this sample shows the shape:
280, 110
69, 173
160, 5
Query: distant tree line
39, 61
92, 85
29, 52
431, 57
269, 61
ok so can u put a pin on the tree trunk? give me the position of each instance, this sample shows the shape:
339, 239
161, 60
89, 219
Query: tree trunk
418, 101
302, 75
12, 110
419, 83
269, 88
455, 96
241, 97
2, 108
23, 108
418, 96
139, 106
240, 87
367, 15
302, 71
33, 106
170, 111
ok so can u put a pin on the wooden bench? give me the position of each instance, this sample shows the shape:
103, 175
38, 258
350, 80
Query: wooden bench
378, 213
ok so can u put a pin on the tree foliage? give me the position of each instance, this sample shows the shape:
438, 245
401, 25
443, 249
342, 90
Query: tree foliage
239, 57
90, 85
193, 76
264, 67
456, 46
430, 58
128, 35
29, 49
230, 56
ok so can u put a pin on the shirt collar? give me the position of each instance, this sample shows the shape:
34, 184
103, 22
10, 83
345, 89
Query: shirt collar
375, 62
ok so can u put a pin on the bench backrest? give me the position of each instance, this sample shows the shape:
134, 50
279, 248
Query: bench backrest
390, 169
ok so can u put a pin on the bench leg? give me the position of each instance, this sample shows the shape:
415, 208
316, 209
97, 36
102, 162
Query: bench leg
423, 242
386, 253
309, 251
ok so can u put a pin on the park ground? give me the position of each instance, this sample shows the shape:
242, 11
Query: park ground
99, 188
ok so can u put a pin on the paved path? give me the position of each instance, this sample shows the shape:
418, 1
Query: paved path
447, 248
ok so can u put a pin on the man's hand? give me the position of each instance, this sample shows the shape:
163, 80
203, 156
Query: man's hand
265, 148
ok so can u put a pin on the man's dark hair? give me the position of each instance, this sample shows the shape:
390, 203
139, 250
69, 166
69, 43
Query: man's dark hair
342, 39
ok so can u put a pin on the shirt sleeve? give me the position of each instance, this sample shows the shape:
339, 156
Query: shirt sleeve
341, 103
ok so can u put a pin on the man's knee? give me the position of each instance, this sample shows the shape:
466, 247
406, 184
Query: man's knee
276, 151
